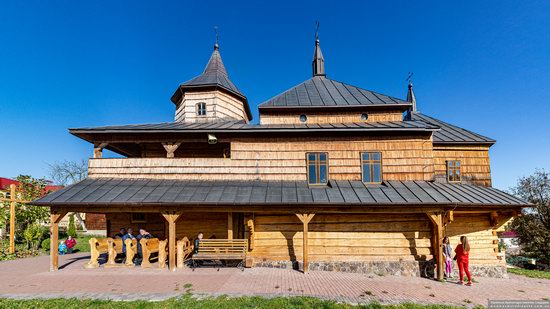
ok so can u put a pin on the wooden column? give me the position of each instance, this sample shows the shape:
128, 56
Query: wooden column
55, 217
171, 218
98, 150
229, 225
12, 218
170, 148
437, 243
305, 218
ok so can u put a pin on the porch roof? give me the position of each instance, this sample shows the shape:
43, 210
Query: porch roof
114, 192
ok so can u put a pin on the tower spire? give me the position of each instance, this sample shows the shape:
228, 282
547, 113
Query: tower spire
216, 46
410, 93
318, 60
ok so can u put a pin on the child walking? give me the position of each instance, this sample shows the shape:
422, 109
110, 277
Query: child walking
448, 253
462, 257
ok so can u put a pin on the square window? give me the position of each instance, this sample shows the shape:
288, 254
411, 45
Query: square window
138, 218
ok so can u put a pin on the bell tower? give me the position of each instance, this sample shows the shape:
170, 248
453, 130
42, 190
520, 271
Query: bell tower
211, 96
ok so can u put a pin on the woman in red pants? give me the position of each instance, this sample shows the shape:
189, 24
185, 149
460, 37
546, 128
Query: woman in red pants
462, 254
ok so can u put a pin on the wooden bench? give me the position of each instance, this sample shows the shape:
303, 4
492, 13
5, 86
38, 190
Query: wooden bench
98, 246
221, 249
131, 251
184, 250
115, 249
150, 246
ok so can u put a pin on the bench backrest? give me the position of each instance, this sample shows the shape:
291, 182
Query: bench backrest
117, 245
101, 245
151, 244
223, 246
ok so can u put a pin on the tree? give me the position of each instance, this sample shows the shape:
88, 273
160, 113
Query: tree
533, 226
68, 172
71, 230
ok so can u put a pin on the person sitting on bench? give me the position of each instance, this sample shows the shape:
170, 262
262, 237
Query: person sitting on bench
197, 242
143, 234
120, 233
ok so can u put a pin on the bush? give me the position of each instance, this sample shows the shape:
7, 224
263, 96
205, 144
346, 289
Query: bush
33, 235
71, 230
45, 244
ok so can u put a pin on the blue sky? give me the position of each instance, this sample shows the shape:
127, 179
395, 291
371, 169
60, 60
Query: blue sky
483, 65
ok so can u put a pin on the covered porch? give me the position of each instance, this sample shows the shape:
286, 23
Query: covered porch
347, 217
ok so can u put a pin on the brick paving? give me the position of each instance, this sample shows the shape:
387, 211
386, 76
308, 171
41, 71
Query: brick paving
30, 278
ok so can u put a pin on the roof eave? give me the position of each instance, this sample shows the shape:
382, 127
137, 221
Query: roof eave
274, 108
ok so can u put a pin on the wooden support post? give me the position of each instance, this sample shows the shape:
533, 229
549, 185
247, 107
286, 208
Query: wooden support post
494, 219
12, 218
170, 149
305, 218
229, 225
437, 245
171, 218
251, 233
55, 217
98, 150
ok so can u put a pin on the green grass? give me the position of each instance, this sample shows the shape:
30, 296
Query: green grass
82, 242
530, 273
190, 302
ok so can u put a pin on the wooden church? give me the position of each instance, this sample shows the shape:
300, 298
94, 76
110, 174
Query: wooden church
333, 177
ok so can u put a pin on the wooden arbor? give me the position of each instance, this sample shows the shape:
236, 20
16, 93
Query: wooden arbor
13, 201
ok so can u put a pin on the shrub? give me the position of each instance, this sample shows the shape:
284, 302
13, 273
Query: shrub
71, 229
33, 235
45, 244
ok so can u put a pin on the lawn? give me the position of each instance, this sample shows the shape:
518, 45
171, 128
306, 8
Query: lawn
82, 242
190, 302
530, 273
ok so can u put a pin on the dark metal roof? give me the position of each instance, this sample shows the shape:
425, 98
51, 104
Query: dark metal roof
450, 134
320, 91
240, 126
136, 192
214, 76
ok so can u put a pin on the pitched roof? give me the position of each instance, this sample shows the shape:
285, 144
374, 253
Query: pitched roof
242, 127
142, 192
214, 75
451, 134
320, 91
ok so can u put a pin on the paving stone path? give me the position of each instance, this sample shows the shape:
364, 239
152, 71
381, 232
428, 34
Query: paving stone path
30, 278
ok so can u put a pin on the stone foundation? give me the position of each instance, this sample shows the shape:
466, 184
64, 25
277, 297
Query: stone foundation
383, 268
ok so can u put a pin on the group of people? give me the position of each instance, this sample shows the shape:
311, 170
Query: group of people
462, 252
128, 233
66, 246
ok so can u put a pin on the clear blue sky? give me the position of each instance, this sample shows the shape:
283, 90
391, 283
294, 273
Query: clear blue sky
483, 65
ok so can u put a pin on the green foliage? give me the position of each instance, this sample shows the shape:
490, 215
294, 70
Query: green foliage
33, 235
502, 246
533, 227
530, 273
188, 301
45, 245
29, 189
71, 231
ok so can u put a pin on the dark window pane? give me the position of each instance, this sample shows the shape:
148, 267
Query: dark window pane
312, 174
311, 157
323, 173
376, 173
323, 156
366, 173
365, 156
376, 156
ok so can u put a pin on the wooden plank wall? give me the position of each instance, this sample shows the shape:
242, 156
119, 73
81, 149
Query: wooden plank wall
338, 117
475, 163
404, 158
478, 229
210, 224
344, 237
218, 106
155, 224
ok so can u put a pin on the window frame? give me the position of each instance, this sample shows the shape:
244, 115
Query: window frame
451, 170
371, 163
198, 109
133, 220
317, 168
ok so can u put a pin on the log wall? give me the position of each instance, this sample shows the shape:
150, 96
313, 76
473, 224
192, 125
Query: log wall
338, 117
344, 237
481, 235
404, 158
474, 160
155, 224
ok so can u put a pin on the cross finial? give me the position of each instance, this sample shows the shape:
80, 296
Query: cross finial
317, 31
216, 46
410, 77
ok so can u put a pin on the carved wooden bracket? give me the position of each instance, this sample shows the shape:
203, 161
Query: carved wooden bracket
98, 150
170, 148
494, 219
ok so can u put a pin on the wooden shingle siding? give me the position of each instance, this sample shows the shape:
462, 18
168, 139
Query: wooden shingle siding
336, 117
404, 158
218, 106
474, 163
